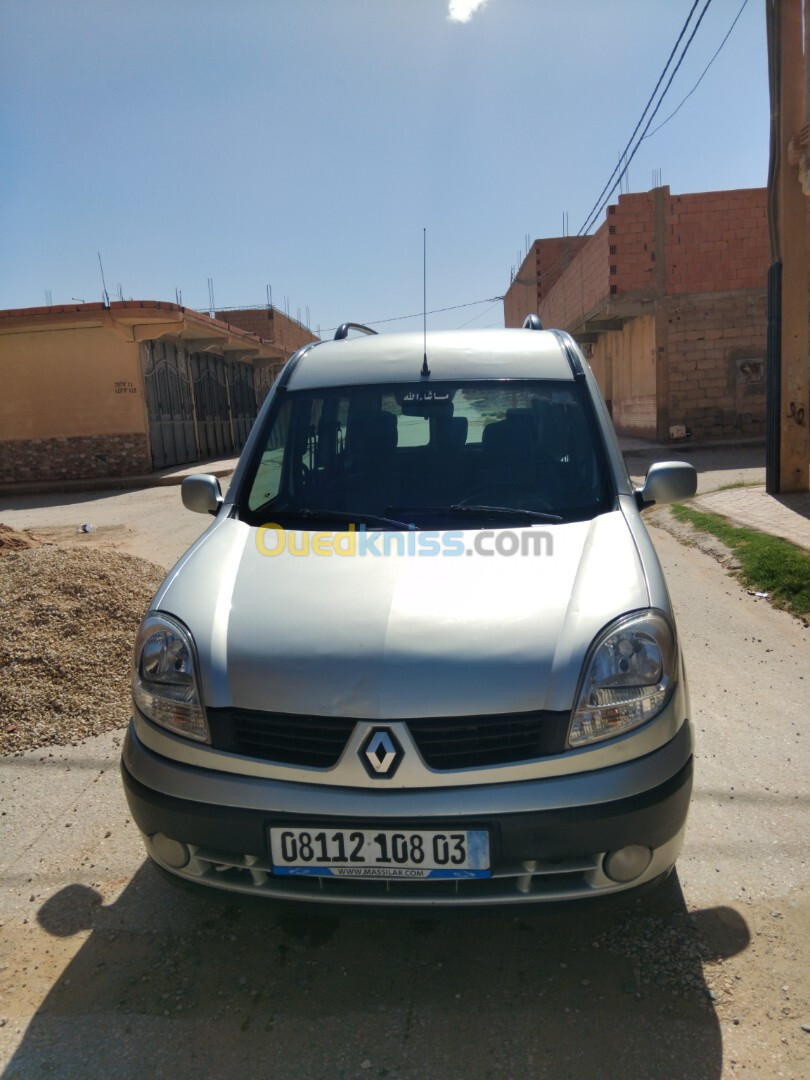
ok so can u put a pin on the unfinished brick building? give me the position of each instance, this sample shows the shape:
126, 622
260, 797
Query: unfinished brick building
668, 300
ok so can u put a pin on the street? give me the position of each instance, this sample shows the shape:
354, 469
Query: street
107, 970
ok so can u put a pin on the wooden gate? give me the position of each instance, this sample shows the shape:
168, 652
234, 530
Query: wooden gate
169, 404
211, 399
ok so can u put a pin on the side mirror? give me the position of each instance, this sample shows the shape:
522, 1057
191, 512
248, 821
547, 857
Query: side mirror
666, 482
201, 494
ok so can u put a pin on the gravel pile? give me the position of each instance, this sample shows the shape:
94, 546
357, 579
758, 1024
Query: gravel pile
69, 620
17, 541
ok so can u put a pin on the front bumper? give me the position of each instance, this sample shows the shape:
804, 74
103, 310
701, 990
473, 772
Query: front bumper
548, 837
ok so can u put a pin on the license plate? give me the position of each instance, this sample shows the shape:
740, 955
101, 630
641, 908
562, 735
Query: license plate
380, 853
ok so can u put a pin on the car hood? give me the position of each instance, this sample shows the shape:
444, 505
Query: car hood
402, 635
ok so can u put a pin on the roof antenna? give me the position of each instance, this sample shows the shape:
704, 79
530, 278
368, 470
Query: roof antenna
425, 372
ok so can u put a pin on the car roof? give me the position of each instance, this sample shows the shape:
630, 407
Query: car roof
451, 354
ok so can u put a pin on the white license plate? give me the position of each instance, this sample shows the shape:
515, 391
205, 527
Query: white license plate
380, 853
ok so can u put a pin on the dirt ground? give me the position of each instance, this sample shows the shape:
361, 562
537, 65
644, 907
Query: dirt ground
105, 970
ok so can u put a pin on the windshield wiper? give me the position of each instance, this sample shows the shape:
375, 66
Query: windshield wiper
459, 510
344, 516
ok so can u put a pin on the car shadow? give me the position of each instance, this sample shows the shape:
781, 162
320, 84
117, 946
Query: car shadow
175, 984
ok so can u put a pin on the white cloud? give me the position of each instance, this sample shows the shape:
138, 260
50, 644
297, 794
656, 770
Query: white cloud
463, 10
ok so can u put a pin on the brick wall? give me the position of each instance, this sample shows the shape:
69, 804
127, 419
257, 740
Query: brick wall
543, 266
581, 285
701, 260
271, 325
653, 244
632, 245
717, 241
521, 297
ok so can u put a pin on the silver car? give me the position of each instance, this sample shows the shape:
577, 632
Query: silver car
425, 653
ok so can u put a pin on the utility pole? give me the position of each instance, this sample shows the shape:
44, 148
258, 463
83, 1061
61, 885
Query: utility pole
789, 405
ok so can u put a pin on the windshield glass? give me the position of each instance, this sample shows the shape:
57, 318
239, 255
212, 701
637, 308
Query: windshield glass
416, 453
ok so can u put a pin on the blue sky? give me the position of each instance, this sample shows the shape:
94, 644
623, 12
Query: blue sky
305, 143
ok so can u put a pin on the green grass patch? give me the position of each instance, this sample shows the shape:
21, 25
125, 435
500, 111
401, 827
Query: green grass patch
767, 563
735, 484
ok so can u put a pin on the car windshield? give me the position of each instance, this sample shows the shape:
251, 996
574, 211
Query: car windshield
467, 452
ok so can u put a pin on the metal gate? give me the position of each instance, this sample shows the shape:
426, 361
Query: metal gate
212, 402
169, 404
264, 375
243, 401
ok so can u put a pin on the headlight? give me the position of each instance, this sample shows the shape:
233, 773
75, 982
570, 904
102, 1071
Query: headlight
164, 683
629, 676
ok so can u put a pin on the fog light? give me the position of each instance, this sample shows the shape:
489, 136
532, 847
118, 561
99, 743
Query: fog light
627, 863
172, 852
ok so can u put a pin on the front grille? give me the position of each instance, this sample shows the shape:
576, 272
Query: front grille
571, 878
466, 742
316, 742
456, 742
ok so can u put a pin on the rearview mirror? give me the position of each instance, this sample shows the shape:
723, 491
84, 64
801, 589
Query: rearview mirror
666, 482
201, 493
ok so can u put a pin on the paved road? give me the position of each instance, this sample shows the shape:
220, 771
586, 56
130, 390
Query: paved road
105, 970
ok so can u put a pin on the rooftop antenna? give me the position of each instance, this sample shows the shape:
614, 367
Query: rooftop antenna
211, 305
49, 298
120, 291
425, 372
178, 296
269, 291
105, 296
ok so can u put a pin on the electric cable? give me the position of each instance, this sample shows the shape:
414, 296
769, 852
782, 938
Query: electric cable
650, 134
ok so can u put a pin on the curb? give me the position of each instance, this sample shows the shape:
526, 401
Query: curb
690, 448
104, 483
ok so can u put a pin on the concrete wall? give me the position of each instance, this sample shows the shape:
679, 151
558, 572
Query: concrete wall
715, 352
624, 362
72, 405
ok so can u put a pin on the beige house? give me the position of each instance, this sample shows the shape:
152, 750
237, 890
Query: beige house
91, 390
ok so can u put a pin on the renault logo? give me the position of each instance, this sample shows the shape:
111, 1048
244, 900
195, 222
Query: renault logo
381, 753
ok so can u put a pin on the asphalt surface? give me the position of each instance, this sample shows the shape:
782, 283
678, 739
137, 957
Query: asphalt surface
106, 970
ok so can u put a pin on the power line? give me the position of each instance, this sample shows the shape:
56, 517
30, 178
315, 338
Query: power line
599, 207
700, 80
418, 314
480, 314
641, 118
652, 115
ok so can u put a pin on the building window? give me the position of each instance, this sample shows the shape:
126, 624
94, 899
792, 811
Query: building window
611, 230
613, 290
613, 268
612, 249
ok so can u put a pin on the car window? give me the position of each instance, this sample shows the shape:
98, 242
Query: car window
527, 445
